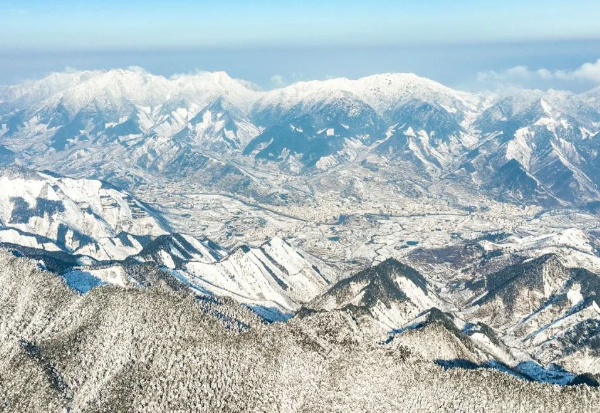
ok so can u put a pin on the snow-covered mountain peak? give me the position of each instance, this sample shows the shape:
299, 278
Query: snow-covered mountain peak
391, 293
122, 89
206, 86
397, 88
29, 92
116, 89
383, 92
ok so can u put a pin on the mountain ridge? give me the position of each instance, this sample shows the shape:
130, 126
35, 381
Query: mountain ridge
162, 125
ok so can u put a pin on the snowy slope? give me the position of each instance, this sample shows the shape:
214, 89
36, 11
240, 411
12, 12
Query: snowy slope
86, 218
537, 145
273, 276
173, 251
544, 309
83, 217
274, 279
365, 111
389, 295
61, 351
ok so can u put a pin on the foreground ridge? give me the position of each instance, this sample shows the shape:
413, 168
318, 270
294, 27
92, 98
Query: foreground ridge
154, 350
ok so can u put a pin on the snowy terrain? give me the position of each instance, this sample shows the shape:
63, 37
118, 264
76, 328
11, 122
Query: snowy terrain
223, 133
159, 349
391, 212
82, 217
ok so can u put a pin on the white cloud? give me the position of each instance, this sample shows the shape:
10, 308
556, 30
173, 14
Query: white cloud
587, 72
278, 81
590, 71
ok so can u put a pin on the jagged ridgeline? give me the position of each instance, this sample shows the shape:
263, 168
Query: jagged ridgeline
521, 146
156, 349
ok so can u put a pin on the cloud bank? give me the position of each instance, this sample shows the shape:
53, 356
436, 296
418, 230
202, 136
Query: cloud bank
522, 75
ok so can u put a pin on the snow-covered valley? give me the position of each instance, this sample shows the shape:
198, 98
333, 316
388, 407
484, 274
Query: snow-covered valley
377, 215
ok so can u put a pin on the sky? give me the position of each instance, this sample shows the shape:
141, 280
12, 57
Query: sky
466, 44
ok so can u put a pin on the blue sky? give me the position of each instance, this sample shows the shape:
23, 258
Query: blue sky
273, 42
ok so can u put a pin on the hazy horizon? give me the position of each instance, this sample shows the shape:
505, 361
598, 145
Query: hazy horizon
470, 45
472, 67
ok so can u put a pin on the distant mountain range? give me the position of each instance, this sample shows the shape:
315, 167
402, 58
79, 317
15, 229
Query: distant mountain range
124, 125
